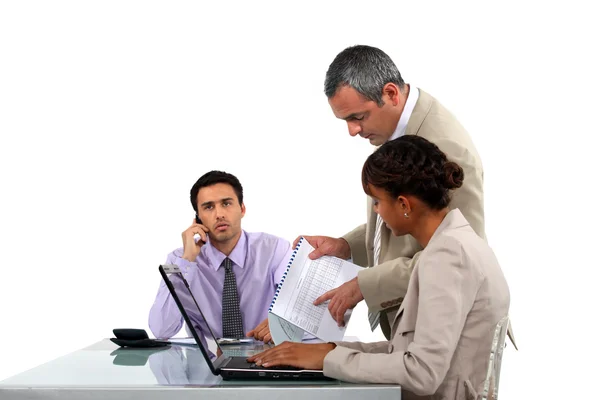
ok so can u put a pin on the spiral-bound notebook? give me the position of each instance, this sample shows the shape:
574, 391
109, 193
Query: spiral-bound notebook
292, 311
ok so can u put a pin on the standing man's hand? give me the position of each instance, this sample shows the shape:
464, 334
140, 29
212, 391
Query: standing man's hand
341, 299
326, 246
191, 249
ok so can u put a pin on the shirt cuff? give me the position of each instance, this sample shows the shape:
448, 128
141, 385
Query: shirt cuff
183, 264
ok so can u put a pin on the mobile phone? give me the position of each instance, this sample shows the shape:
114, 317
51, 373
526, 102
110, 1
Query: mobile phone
197, 238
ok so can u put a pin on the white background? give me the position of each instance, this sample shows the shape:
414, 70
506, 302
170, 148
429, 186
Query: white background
110, 111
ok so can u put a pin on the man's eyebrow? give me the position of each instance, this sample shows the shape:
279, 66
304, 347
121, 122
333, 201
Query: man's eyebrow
210, 203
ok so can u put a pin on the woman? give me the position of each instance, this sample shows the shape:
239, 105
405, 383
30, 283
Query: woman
442, 333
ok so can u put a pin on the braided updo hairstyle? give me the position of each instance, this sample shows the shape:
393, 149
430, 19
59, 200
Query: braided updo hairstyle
412, 165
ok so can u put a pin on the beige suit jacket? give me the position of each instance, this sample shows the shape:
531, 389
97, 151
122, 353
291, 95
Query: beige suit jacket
442, 333
384, 286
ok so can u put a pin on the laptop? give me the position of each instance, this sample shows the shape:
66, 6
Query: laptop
219, 360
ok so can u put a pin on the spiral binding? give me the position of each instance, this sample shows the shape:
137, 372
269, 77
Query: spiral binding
285, 273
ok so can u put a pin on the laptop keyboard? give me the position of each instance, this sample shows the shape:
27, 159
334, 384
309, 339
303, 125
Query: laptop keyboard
241, 353
240, 362
279, 367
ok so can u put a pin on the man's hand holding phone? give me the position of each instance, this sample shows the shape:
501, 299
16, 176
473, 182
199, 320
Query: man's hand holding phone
191, 249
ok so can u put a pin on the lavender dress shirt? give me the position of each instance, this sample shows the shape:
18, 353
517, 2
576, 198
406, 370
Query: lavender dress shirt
259, 261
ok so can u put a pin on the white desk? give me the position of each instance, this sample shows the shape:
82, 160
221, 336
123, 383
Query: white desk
104, 371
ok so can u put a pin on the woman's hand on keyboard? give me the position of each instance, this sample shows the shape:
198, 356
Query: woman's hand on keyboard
300, 355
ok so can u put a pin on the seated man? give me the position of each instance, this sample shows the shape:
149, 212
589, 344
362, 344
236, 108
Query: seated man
232, 274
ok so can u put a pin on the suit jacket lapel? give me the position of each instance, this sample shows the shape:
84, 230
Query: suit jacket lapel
424, 103
371, 223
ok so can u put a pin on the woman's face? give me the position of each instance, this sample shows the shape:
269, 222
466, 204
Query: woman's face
391, 211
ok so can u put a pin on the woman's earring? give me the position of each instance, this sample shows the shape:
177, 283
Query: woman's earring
405, 215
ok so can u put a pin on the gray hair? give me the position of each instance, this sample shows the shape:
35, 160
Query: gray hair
366, 69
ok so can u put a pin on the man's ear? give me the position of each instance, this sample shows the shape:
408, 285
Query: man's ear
391, 92
243, 210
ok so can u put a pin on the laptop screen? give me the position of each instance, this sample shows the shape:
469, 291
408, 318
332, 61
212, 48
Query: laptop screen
190, 310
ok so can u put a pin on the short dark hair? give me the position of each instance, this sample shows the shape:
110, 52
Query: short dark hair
212, 178
366, 69
412, 165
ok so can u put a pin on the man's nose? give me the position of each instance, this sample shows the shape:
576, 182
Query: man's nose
353, 128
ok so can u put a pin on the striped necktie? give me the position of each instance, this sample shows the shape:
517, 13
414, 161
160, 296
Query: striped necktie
374, 317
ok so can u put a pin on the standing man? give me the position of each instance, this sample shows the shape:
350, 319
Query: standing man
365, 89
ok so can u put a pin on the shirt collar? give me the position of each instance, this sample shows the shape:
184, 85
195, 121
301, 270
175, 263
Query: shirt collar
411, 102
237, 256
